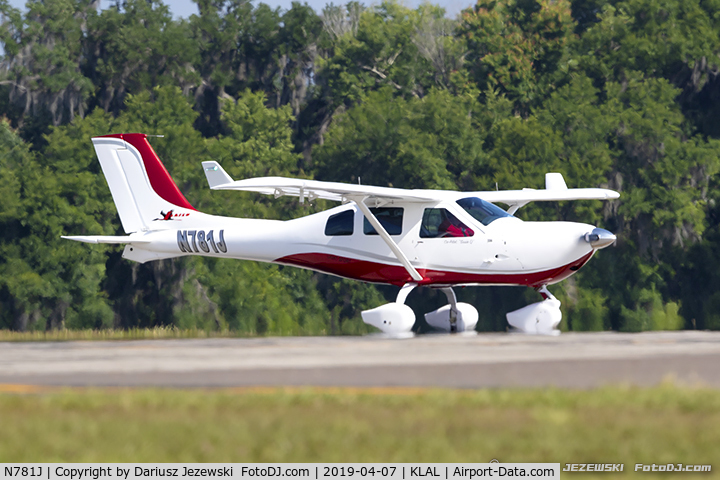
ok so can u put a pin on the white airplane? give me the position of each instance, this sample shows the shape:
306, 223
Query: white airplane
406, 238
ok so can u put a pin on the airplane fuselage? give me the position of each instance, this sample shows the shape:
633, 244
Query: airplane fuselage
508, 251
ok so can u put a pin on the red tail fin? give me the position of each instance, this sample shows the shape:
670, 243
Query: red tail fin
158, 175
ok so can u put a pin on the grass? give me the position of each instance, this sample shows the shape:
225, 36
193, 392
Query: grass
114, 334
665, 424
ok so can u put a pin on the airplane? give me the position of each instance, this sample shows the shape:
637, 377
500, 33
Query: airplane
407, 238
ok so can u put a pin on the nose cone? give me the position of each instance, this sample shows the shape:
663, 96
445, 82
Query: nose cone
600, 238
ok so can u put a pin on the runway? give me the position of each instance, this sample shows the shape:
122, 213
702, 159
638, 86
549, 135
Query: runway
574, 360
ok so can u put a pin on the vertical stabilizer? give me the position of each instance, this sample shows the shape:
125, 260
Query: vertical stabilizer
141, 187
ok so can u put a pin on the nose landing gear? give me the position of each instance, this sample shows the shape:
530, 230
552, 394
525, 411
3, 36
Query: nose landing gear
541, 318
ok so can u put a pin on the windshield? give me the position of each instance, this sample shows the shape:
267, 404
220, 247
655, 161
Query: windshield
482, 211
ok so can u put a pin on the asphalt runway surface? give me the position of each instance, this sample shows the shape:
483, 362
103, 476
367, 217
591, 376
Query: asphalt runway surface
575, 360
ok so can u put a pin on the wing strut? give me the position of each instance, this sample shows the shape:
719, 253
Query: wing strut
360, 202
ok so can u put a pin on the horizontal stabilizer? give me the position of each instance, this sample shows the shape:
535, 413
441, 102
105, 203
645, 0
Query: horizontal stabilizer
105, 239
215, 174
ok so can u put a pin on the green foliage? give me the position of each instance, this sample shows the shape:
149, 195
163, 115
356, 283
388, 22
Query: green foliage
389, 45
258, 142
711, 312
588, 312
136, 48
418, 143
523, 150
654, 157
217, 30
651, 314
43, 56
698, 281
518, 47
650, 36
45, 280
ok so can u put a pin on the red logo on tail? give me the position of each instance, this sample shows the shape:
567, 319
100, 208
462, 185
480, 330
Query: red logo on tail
165, 216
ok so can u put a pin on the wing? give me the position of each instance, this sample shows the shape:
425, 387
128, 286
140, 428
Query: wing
555, 190
218, 179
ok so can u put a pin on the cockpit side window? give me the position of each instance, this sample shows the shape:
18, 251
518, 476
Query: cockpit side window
340, 224
391, 218
440, 223
482, 211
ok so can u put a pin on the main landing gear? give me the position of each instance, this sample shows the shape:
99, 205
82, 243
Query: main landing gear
453, 317
397, 319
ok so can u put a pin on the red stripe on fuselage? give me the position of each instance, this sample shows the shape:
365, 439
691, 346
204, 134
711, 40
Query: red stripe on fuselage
397, 275
160, 179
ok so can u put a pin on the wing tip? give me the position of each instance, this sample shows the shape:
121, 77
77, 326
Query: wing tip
555, 181
216, 175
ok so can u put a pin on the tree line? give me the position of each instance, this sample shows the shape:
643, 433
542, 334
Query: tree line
616, 94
